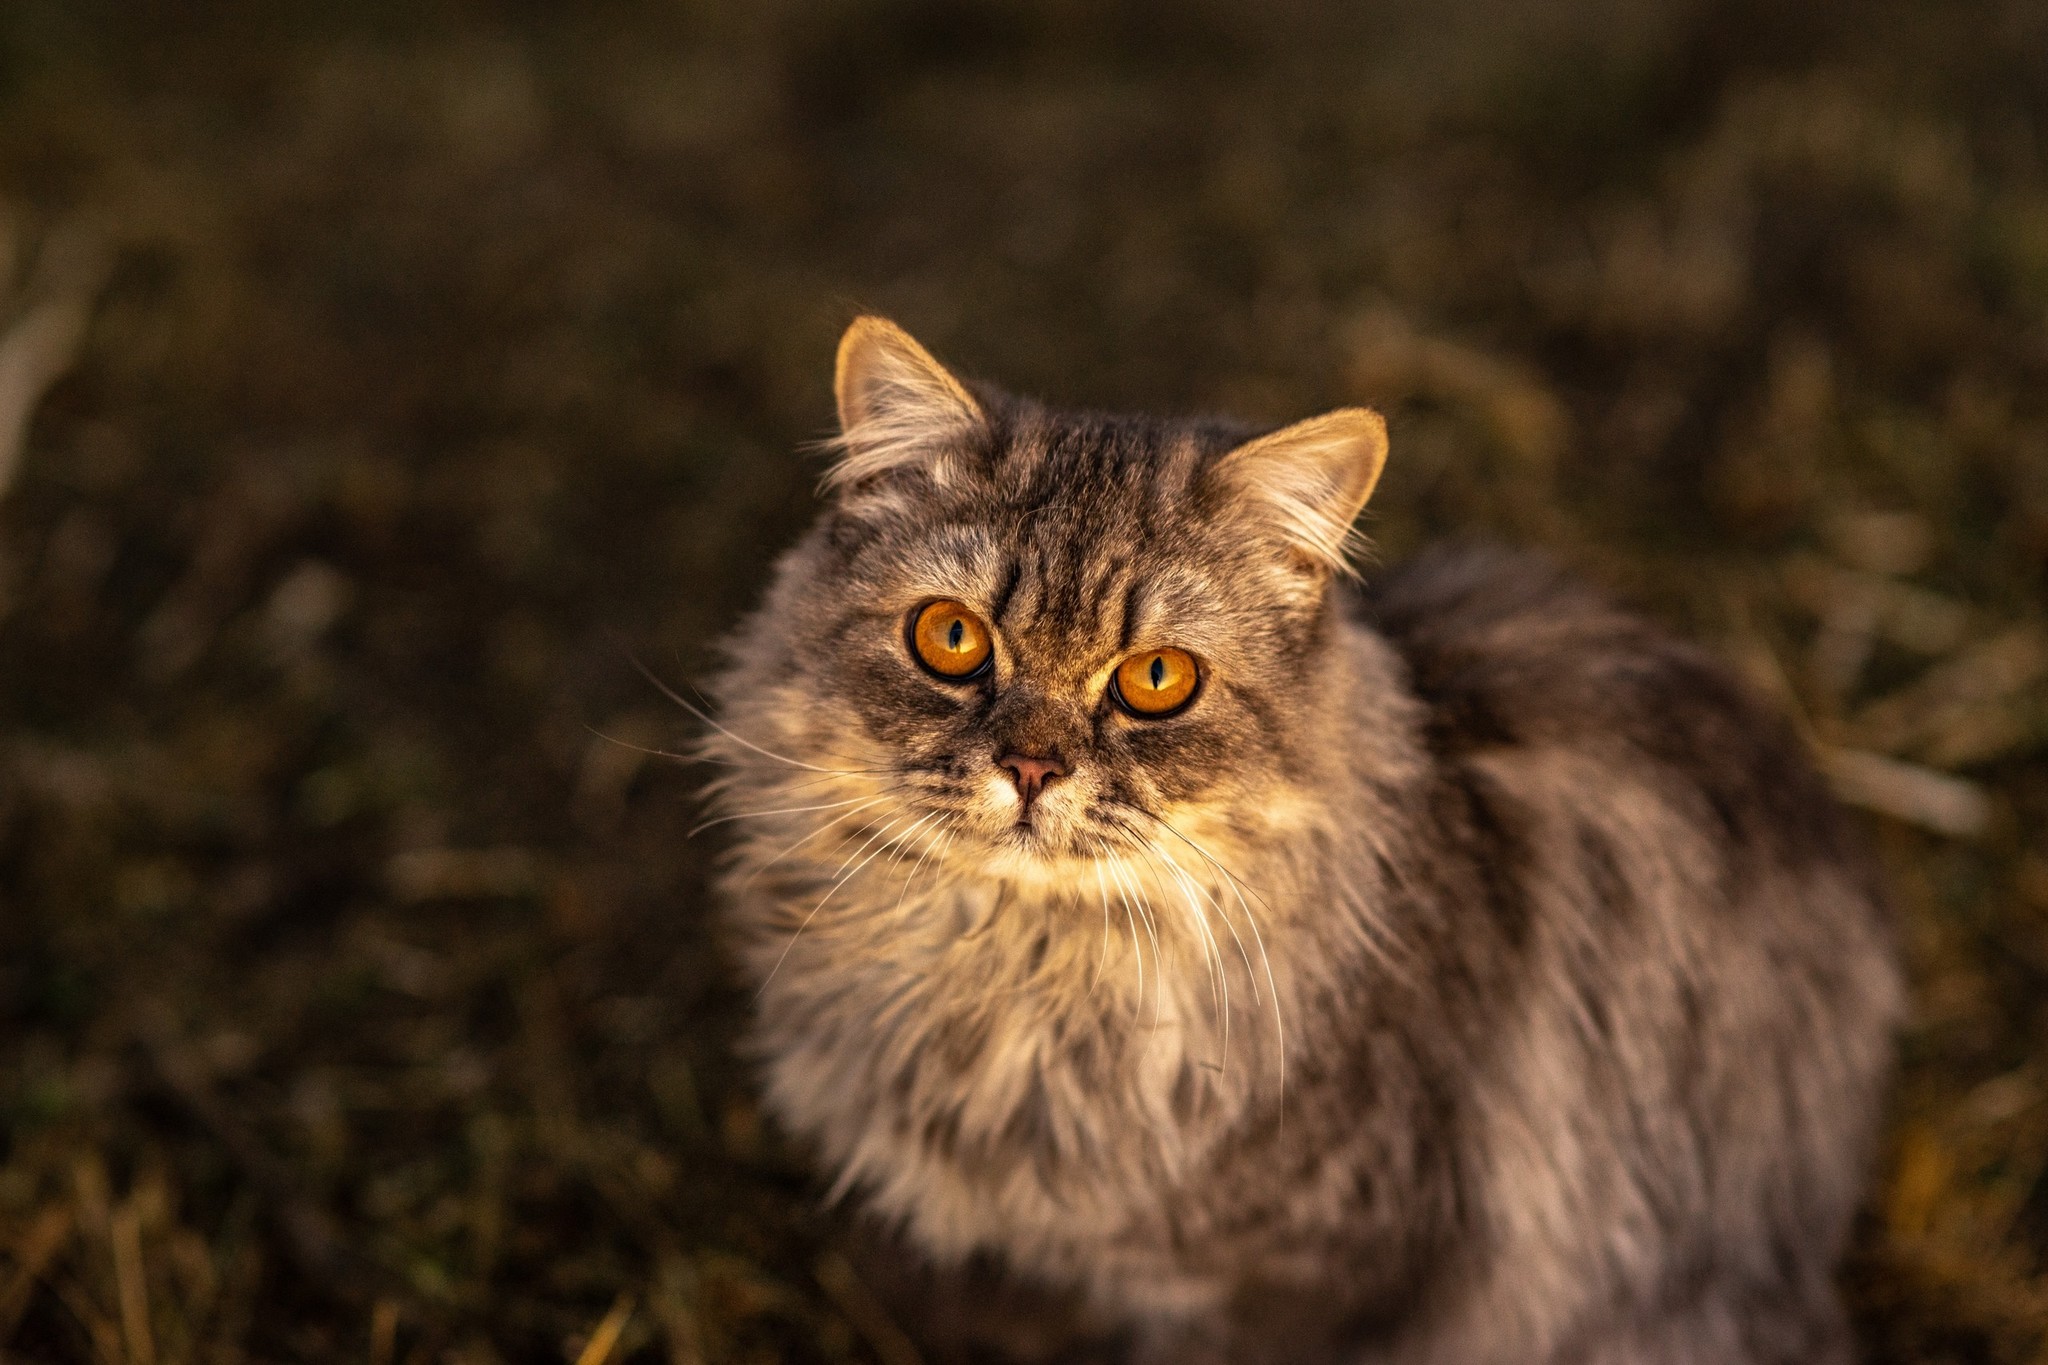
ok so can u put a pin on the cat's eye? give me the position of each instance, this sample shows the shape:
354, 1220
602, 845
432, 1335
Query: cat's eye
950, 640
1156, 682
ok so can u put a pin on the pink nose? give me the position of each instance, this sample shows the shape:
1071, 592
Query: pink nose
1031, 774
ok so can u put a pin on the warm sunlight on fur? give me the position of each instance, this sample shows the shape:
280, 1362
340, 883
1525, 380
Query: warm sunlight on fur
1126, 894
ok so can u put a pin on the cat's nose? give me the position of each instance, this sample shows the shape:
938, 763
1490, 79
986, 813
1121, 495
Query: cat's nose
1031, 774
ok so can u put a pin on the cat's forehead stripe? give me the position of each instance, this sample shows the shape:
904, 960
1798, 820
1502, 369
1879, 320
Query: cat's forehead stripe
999, 601
1127, 629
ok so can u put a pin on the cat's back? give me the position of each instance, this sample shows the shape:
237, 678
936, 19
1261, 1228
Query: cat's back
1521, 664
1671, 907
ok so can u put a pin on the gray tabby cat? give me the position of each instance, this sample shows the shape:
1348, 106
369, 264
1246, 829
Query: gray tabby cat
1459, 970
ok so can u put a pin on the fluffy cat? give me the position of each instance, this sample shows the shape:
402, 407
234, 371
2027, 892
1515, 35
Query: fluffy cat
1453, 970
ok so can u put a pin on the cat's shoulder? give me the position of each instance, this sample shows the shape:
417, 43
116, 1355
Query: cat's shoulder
1491, 618
1511, 654
1507, 646
1469, 592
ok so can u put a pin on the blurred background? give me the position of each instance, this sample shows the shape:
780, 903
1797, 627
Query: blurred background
379, 381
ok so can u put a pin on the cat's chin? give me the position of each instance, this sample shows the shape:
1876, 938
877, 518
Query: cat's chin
1052, 861
1031, 842
1033, 852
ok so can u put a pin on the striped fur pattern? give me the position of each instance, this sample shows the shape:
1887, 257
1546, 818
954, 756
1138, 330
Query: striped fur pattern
1471, 973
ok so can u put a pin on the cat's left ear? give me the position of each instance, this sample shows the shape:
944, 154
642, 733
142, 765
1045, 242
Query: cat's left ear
898, 407
1308, 482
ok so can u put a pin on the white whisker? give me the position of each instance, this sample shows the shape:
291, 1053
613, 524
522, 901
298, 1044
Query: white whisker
724, 762
701, 714
1158, 953
836, 820
1251, 972
1272, 985
1137, 948
760, 814
839, 872
1212, 950
844, 877
1102, 889
951, 829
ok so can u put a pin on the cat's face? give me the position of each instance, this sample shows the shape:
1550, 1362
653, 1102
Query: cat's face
1043, 639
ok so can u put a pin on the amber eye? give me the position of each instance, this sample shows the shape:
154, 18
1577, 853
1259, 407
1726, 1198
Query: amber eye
1155, 682
950, 640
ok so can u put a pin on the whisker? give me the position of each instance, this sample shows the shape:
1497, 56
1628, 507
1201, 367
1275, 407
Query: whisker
783, 789
1158, 954
759, 814
1212, 950
1137, 948
1151, 915
836, 820
951, 829
701, 714
1102, 888
1279, 1025
1251, 972
725, 762
864, 846
843, 879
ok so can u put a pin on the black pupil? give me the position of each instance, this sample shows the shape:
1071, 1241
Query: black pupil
954, 633
1158, 672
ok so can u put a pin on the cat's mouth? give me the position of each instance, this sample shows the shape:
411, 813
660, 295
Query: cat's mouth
1049, 839
1037, 836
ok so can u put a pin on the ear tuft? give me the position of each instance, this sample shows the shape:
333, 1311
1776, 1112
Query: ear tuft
898, 407
1307, 483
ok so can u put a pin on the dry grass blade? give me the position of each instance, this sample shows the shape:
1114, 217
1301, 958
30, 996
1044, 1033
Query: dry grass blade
104, 1331
131, 1277
836, 1274
1917, 618
1943, 716
1909, 792
40, 344
605, 1338
383, 1332
47, 1236
675, 1305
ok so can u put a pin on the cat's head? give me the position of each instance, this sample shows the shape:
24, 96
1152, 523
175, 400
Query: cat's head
1044, 636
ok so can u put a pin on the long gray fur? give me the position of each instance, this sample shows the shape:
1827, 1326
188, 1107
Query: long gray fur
1559, 992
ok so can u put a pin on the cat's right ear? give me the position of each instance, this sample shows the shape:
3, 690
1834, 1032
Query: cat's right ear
898, 407
1307, 483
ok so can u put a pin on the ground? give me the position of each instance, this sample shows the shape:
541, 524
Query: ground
409, 375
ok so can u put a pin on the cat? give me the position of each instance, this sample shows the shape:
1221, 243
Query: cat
1451, 969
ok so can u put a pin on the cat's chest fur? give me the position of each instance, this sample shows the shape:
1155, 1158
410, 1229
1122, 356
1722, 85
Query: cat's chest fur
1009, 1067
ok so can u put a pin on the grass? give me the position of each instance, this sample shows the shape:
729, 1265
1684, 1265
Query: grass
358, 993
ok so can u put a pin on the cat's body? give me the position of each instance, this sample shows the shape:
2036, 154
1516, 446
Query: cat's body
1467, 973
